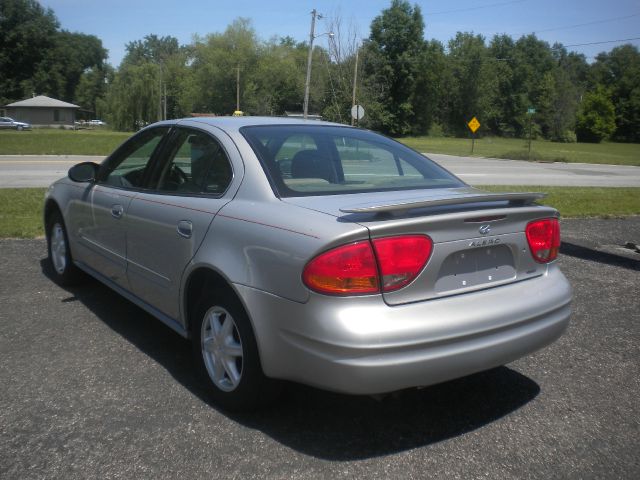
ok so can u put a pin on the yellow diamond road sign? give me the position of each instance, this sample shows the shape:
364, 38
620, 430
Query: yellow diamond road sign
474, 124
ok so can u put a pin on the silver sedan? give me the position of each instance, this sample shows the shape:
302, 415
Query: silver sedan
311, 252
10, 123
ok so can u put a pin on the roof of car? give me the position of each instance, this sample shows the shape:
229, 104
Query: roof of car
235, 123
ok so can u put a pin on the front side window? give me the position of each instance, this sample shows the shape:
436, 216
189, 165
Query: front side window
323, 160
129, 166
197, 163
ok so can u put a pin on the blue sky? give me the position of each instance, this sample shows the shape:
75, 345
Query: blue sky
117, 22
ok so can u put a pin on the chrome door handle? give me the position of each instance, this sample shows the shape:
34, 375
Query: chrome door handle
116, 211
185, 228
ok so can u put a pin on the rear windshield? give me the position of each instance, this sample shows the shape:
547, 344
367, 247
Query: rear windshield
303, 160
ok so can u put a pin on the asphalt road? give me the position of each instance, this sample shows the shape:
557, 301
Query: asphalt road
42, 170
92, 387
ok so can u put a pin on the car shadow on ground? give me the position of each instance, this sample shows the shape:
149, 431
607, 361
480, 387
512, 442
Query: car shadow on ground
586, 253
323, 424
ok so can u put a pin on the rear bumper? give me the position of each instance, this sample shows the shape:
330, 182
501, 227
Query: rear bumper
360, 345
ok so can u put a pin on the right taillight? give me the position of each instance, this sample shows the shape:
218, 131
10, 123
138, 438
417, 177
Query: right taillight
543, 237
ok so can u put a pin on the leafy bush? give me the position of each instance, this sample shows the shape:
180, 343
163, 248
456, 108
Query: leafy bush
568, 136
596, 119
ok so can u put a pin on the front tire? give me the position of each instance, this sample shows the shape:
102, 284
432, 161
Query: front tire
226, 353
64, 271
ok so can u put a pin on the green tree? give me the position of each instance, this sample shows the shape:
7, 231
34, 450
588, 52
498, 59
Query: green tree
37, 58
393, 54
619, 72
132, 99
596, 118
92, 87
161, 64
216, 59
570, 82
503, 101
279, 78
429, 86
69, 56
468, 89
26, 33
532, 61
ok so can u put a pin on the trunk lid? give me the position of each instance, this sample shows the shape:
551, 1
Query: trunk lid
478, 238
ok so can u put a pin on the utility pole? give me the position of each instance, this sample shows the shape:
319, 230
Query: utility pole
165, 101
160, 95
238, 88
355, 82
314, 14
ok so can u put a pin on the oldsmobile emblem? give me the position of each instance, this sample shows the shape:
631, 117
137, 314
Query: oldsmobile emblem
484, 229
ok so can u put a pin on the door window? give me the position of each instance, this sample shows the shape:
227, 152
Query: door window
196, 163
129, 167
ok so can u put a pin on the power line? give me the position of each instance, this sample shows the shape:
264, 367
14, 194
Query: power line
479, 7
596, 43
587, 23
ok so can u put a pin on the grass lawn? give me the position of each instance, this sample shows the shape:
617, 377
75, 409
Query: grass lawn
580, 202
60, 142
21, 212
21, 208
541, 150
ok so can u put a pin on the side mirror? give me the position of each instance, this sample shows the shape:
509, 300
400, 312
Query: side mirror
84, 172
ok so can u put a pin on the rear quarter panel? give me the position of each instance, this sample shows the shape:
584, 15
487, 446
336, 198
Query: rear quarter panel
266, 245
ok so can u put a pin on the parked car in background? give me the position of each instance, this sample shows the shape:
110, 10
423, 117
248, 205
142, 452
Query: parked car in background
97, 122
314, 252
7, 122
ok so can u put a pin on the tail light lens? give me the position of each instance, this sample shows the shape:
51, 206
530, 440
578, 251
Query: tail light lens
544, 239
347, 270
401, 259
365, 267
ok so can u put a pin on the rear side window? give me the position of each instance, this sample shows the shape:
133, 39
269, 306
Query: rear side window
305, 160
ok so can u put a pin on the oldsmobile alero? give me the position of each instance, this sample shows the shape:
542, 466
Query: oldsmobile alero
311, 252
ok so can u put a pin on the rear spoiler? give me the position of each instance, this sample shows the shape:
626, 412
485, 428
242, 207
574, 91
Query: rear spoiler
515, 199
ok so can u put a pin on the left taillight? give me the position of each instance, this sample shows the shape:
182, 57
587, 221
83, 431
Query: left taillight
384, 264
543, 237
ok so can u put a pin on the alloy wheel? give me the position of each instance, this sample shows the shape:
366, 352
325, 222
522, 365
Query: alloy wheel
58, 248
221, 348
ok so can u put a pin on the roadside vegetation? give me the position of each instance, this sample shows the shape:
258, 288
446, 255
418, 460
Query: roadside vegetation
582, 202
21, 212
541, 150
21, 208
60, 142
407, 84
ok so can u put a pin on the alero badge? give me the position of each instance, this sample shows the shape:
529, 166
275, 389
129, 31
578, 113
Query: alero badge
485, 242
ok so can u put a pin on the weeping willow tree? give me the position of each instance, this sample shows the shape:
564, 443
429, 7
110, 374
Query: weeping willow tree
132, 101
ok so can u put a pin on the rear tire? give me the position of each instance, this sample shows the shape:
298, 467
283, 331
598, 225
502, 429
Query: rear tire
226, 354
65, 273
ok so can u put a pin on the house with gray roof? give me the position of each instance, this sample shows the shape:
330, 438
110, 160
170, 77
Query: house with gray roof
43, 111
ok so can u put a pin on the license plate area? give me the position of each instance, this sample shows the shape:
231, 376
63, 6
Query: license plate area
474, 267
